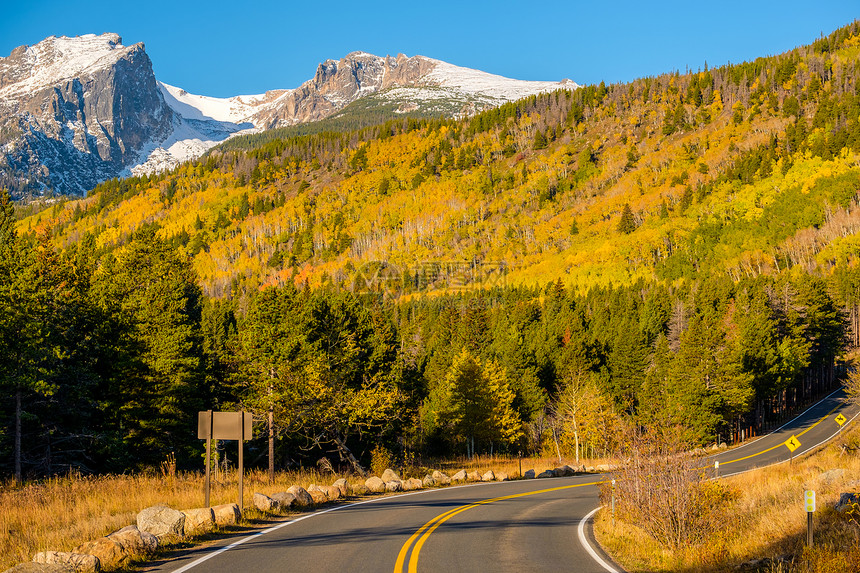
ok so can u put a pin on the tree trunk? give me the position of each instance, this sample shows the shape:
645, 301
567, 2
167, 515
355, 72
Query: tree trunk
17, 453
271, 444
344, 451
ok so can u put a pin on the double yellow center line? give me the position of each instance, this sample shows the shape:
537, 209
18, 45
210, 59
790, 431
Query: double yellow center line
416, 542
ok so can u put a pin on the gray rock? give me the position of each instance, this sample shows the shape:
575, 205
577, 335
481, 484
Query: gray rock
546, 474
375, 484
441, 478
832, 475
530, 474
161, 521
489, 476
41, 568
285, 499
67, 561
110, 553
413, 484
502, 476
265, 503
473, 476
227, 514
564, 471
199, 521
303, 498
847, 501
390, 475
343, 486
317, 494
392, 486
135, 541
428, 481
359, 489
459, 476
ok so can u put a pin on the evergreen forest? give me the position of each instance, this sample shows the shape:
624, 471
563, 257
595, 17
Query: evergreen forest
677, 251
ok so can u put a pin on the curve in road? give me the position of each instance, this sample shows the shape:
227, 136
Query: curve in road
506, 526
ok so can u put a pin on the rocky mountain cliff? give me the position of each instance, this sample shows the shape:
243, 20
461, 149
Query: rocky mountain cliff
77, 111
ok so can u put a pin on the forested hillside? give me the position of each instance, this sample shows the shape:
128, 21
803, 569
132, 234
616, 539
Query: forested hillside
679, 250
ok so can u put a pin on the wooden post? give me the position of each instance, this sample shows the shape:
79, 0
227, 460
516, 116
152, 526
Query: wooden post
208, 458
241, 460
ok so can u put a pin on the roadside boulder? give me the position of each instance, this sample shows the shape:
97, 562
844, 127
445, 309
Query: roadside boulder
65, 561
530, 474
331, 492
32, 567
847, 501
265, 503
303, 498
440, 478
227, 514
459, 476
343, 486
564, 471
833, 475
393, 486
546, 474
162, 521
135, 541
110, 553
317, 494
412, 484
502, 476
285, 499
428, 481
375, 484
489, 476
390, 475
473, 476
358, 489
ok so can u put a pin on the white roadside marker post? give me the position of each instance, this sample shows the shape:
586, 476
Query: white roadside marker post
809, 498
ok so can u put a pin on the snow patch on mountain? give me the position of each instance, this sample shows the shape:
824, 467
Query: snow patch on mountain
55, 60
480, 83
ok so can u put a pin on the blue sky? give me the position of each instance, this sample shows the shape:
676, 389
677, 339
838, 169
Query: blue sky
221, 48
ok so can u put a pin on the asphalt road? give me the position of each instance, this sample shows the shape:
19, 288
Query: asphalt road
506, 526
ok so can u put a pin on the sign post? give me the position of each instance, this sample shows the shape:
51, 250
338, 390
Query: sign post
792, 444
809, 498
208, 457
716, 468
613, 503
225, 426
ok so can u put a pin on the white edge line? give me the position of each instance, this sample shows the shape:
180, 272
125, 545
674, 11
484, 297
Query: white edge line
217, 552
583, 540
775, 430
810, 448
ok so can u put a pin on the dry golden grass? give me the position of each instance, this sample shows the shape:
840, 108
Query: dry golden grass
61, 513
768, 522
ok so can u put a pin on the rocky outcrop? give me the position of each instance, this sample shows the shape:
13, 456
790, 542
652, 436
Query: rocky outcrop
84, 109
161, 521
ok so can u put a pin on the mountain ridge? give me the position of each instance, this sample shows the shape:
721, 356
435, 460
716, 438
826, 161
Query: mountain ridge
62, 103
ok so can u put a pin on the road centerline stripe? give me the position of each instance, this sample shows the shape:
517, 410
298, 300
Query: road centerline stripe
412, 548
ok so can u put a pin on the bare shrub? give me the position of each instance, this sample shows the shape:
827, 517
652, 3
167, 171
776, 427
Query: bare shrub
663, 490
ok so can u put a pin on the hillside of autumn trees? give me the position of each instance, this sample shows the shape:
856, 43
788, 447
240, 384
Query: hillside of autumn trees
676, 250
